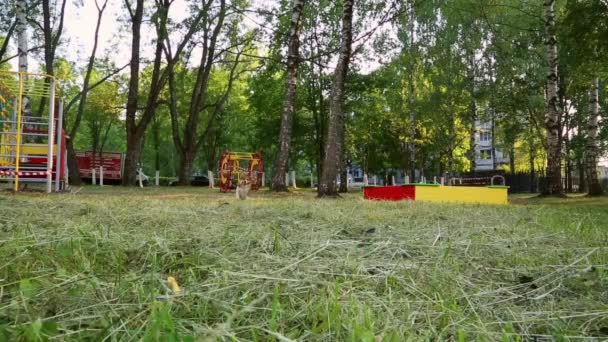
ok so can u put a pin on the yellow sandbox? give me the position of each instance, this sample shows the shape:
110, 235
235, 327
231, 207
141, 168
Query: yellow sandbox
463, 194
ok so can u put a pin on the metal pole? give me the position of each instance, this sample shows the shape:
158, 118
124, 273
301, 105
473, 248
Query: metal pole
51, 136
59, 162
101, 174
18, 130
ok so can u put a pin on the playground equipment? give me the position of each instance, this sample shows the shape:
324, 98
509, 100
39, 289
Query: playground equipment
231, 170
32, 139
493, 194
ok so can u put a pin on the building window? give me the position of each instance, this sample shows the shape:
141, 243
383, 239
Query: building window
485, 136
485, 154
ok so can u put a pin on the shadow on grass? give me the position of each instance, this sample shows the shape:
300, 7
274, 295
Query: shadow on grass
577, 200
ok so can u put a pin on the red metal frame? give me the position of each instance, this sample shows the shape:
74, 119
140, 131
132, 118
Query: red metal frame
43, 160
229, 172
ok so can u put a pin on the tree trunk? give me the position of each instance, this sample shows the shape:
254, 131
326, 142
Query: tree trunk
582, 182
321, 130
133, 145
493, 141
591, 148
568, 174
472, 112
512, 159
532, 170
554, 172
186, 162
451, 143
22, 39
131, 159
72, 163
7, 39
51, 41
293, 60
344, 179
73, 170
335, 131
412, 91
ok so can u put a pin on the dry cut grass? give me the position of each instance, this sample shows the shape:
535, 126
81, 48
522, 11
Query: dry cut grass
94, 266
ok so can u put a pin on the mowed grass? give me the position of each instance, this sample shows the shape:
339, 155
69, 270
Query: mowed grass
94, 266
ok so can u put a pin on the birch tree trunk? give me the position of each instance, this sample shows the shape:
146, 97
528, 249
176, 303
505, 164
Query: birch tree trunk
472, 111
335, 131
22, 39
591, 150
293, 60
554, 172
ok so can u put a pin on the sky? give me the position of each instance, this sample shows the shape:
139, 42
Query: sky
79, 31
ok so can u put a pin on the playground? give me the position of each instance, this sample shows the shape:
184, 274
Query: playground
94, 265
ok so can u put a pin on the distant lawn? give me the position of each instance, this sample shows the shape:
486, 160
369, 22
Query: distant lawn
94, 265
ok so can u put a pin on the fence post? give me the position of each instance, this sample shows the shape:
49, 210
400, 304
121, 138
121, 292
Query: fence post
94, 181
393, 180
406, 178
157, 178
263, 179
375, 180
100, 175
365, 180
312, 181
139, 177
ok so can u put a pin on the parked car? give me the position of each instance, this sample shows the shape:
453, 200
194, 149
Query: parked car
196, 180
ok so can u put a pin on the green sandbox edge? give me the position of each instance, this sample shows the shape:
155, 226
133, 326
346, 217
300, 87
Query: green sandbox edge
422, 184
498, 187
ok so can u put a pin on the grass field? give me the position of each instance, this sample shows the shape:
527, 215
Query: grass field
94, 266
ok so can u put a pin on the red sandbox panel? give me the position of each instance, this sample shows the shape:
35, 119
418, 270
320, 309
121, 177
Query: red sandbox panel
389, 193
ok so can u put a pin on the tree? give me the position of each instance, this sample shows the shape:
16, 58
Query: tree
51, 34
584, 29
137, 120
7, 28
411, 94
592, 150
82, 99
189, 141
22, 37
293, 60
336, 129
554, 167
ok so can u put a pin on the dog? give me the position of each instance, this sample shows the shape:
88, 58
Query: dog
243, 188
